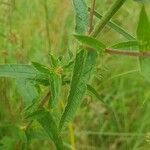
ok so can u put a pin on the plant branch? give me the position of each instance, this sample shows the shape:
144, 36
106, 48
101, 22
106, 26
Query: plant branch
109, 14
127, 53
91, 16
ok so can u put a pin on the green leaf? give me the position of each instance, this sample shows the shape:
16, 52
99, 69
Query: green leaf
36, 132
95, 93
55, 88
28, 90
143, 35
47, 122
41, 68
91, 42
129, 45
54, 62
116, 27
12, 135
145, 69
84, 63
92, 90
22, 71
81, 11
67, 59
55, 81
143, 31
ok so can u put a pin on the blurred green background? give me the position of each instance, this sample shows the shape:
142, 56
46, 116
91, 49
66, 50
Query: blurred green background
30, 29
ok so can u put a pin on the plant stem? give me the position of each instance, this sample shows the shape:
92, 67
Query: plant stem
91, 16
47, 24
127, 53
109, 14
72, 138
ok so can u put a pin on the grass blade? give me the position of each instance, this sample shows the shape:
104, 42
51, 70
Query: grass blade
109, 14
116, 27
95, 93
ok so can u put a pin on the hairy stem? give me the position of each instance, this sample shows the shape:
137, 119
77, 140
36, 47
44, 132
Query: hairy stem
127, 53
109, 14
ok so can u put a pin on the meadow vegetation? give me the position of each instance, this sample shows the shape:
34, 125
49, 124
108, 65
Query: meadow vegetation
61, 88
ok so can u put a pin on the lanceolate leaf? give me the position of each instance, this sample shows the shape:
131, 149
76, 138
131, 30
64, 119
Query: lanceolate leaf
81, 11
143, 31
22, 71
37, 133
47, 122
143, 35
55, 88
91, 42
41, 68
84, 63
95, 93
55, 81
28, 90
54, 61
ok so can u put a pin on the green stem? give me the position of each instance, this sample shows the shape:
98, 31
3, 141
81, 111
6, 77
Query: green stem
91, 16
127, 53
47, 24
109, 14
